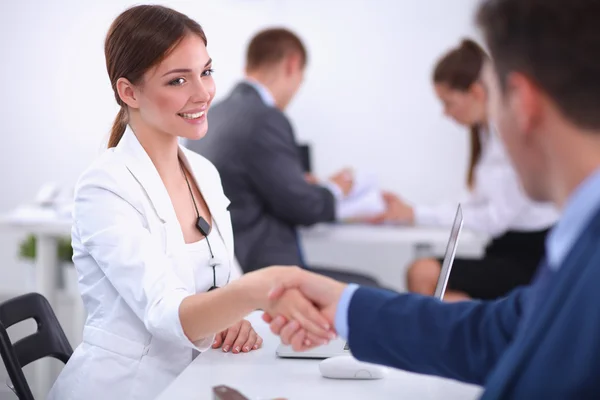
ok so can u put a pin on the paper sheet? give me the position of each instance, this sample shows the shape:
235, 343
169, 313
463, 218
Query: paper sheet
364, 200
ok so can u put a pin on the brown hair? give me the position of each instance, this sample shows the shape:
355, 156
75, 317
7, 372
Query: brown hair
270, 46
140, 38
555, 43
460, 68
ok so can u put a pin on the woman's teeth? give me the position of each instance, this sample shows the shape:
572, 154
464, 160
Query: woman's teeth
192, 116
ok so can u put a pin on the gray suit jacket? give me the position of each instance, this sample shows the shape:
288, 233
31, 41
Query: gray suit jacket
254, 149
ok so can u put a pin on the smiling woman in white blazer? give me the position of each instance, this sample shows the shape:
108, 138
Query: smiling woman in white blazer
146, 269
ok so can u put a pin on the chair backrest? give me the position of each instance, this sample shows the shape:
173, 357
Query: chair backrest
48, 341
17, 381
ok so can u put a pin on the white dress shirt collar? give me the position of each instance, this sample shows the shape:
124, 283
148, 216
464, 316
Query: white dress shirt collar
263, 91
577, 213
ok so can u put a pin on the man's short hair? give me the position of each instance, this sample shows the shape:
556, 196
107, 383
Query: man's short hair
270, 46
556, 43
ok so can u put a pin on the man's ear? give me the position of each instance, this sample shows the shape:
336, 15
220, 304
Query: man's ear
524, 101
127, 92
292, 63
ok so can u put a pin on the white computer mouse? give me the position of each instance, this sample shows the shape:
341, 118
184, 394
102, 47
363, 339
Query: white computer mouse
348, 367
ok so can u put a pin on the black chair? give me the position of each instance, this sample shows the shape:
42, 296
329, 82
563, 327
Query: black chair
48, 341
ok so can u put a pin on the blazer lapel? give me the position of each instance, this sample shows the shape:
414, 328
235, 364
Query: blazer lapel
142, 168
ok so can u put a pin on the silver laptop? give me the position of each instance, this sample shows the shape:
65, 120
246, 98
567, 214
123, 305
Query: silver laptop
339, 346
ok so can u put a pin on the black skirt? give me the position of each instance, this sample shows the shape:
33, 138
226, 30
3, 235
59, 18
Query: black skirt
510, 261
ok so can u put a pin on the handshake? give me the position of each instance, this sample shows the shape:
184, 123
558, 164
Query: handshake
300, 305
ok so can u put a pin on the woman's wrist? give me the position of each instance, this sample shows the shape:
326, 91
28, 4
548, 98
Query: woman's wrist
252, 288
259, 283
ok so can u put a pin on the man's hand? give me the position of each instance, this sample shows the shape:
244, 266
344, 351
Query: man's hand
323, 292
310, 178
295, 306
241, 337
344, 180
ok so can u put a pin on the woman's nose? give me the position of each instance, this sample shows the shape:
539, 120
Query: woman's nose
202, 92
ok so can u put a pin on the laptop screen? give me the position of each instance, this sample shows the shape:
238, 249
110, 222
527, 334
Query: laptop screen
440, 288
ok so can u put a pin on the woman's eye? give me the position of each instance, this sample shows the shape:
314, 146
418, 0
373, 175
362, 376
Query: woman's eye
208, 72
177, 82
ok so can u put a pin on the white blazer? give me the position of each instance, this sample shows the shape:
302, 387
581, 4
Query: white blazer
129, 252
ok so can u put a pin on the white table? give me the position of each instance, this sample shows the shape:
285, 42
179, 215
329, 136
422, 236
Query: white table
48, 229
387, 233
260, 375
382, 251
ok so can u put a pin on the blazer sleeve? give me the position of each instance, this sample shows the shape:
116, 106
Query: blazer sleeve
461, 341
276, 173
114, 233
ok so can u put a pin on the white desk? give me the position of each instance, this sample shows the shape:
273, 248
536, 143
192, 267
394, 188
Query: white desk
48, 229
382, 251
384, 233
260, 375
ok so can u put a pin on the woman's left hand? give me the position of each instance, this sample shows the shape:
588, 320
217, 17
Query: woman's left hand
240, 337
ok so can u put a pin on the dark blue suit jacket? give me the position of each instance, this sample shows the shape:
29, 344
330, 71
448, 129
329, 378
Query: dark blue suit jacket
540, 342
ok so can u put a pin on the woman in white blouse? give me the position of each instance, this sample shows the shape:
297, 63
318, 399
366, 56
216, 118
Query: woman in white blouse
152, 237
495, 205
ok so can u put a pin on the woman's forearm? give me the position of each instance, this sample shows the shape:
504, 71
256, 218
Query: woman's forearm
205, 314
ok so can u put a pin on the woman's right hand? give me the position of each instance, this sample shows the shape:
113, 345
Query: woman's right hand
397, 211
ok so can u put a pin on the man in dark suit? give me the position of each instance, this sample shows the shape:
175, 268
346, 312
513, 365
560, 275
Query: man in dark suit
251, 142
541, 341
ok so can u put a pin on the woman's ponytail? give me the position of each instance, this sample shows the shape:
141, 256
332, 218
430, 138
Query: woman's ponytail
118, 128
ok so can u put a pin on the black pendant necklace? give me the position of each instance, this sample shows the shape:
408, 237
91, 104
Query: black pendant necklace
203, 226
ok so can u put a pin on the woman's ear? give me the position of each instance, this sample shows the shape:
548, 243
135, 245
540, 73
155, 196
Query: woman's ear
479, 92
127, 92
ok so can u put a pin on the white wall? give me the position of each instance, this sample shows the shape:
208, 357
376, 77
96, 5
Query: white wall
367, 100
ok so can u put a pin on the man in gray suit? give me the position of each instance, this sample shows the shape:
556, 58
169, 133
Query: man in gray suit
252, 144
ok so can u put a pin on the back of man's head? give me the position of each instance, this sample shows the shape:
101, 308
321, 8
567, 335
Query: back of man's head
271, 46
556, 43
277, 58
